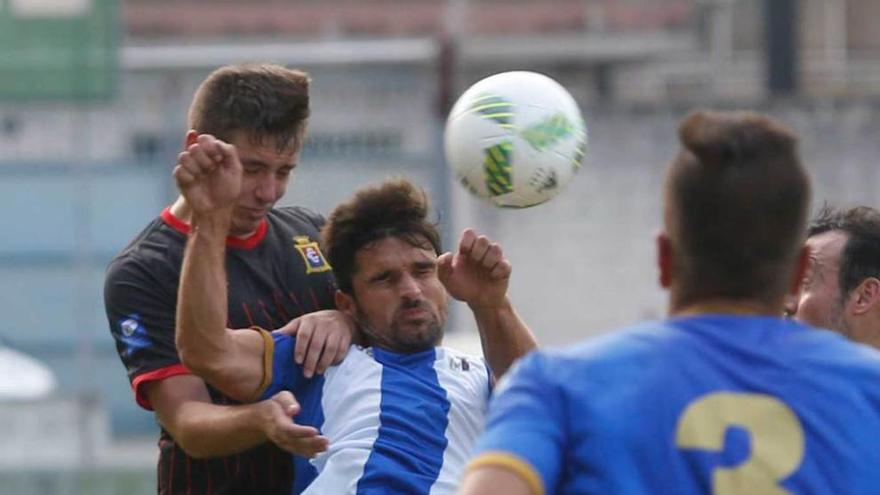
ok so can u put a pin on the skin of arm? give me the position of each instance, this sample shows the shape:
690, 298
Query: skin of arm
205, 430
230, 360
491, 480
479, 274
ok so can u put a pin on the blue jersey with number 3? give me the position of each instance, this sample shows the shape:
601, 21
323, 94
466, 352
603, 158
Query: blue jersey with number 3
698, 405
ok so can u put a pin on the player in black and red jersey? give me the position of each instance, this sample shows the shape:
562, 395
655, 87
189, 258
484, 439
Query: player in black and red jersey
208, 443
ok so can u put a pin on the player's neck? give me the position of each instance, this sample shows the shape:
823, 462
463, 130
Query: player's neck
744, 307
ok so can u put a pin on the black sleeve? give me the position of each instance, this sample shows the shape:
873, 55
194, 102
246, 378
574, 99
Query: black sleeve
141, 308
313, 217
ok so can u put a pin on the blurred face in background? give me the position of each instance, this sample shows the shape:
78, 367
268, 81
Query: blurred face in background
820, 302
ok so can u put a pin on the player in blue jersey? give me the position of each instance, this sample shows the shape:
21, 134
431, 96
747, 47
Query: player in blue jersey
724, 396
401, 413
841, 290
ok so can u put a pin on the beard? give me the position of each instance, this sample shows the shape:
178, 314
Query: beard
405, 336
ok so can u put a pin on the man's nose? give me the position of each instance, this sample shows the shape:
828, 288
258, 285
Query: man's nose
267, 188
410, 287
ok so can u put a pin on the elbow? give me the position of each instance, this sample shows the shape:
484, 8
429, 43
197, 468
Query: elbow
194, 446
190, 359
199, 363
193, 449
202, 359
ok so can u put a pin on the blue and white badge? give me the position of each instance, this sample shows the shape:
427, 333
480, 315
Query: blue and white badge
133, 334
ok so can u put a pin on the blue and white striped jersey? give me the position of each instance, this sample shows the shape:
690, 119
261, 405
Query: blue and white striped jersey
397, 423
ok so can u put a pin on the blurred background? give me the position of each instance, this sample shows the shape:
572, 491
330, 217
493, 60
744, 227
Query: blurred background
93, 98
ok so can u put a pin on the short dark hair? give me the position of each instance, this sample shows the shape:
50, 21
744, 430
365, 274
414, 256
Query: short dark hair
736, 207
263, 101
394, 208
860, 258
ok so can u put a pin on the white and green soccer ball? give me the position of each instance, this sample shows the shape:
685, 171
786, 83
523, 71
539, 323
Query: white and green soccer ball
515, 139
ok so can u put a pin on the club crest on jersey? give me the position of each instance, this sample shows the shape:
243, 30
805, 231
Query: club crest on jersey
311, 254
459, 364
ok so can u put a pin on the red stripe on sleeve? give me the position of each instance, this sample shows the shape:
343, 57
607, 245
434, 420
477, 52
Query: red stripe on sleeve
154, 376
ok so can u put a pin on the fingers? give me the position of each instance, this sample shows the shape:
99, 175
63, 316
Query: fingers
200, 158
466, 243
501, 271
479, 249
182, 176
288, 403
444, 266
329, 353
290, 436
492, 257
303, 340
322, 339
291, 328
306, 447
229, 156
313, 353
211, 147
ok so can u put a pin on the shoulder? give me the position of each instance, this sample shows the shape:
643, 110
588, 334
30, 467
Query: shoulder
621, 345
612, 357
821, 346
297, 216
157, 249
449, 357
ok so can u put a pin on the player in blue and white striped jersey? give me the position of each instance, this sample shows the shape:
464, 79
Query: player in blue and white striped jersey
401, 413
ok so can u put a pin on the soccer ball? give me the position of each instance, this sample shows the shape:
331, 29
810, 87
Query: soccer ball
515, 139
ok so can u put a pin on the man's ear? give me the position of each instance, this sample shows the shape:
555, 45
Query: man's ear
664, 259
345, 303
800, 271
191, 137
865, 297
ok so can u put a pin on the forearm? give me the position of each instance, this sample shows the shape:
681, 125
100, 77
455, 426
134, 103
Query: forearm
202, 338
205, 430
230, 360
504, 336
183, 407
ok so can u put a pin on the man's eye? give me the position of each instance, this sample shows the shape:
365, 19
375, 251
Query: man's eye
427, 270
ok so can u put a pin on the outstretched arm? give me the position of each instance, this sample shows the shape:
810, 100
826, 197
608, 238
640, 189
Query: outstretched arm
479, 274
209, 177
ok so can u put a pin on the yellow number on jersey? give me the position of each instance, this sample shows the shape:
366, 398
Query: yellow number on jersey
777, 440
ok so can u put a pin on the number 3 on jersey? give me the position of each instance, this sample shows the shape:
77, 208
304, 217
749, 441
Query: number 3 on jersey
777, 440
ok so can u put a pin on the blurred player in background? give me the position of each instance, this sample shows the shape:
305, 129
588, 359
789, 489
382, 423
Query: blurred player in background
401, 414
724, 396
277, 273
841, 289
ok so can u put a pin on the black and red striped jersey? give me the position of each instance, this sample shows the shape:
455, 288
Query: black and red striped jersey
275, 275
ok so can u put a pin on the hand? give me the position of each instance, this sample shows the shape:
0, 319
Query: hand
280, 429
478, 273
322, 339
208, 174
